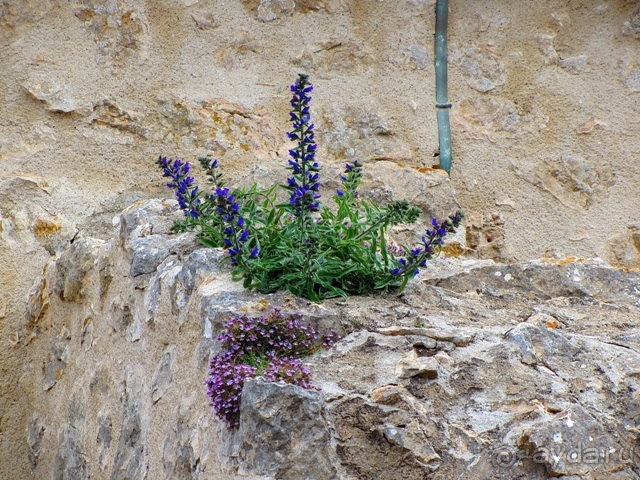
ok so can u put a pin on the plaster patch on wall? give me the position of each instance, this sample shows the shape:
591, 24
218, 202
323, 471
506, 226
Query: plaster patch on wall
17, 15
481, 66
630, 74
335, 56
495, 118
361, 132
118, 29
573, 180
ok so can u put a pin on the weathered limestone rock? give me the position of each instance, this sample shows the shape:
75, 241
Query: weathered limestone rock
164, 375
459, 337
485, 236
481, 67
12, 185
73, 268
104, 437
240, 52
574, 65
53, 232
548, 279
205, 19
572, 442
185, 439
283, 432
494, 118
631, 27
56, 97
425, 367
118, 29
130, 460
428, 189
28, 226
21, 141
412, 439
17, 15
361, 133
145, 218
378, 441
546, 48
197, 266
575, 181
630, 74
270, 10
108, 113
590, 126
35, 432
71, 459
146, 249
476, 369
57, 360
393, 395
149, 252
37, 303
233, 132
623, 250
542, 345
335, 56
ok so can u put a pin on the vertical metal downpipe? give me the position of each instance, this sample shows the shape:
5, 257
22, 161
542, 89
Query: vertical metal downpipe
442, 102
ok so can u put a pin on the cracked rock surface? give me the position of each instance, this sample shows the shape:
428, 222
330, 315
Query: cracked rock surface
492, 371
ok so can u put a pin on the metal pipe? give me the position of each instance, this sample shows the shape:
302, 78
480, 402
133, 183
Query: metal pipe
442, 102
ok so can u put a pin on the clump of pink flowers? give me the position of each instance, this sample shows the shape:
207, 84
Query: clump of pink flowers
271, 346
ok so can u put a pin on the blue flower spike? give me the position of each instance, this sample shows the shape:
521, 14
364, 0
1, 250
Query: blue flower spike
304, 183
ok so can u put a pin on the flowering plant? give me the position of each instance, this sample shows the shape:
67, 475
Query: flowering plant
270, 346
302, 245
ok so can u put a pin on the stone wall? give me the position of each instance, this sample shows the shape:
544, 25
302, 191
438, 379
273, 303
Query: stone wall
478, 369
544, 121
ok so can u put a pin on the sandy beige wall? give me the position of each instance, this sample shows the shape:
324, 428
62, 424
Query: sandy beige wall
545, 118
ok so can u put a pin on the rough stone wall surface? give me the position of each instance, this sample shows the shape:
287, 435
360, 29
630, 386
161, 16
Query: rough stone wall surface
545, 118
479, 369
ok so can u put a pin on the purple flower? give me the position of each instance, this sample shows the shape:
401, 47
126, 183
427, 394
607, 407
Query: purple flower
187, 193
235, 231
351, 179
431, 244
304, 168
273, 348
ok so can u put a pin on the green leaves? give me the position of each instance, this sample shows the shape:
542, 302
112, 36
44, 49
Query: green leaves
300, 245
402, 212
337, 254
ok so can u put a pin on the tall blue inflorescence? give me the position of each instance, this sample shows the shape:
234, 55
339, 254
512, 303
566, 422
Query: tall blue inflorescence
304, 183
432, 240
186, 192
235, 231
350, 179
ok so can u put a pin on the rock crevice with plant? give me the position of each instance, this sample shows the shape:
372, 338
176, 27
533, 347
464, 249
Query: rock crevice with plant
302, 245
